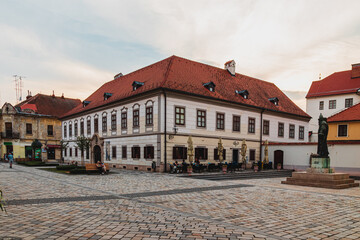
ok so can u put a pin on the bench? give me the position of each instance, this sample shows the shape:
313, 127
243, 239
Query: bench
91, 167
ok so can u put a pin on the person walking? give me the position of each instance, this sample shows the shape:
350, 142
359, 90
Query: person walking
11, 159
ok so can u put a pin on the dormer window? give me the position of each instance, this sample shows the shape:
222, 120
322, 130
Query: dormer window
210, 86
85, 103
136, 85
107, 96
274, 100
243, 93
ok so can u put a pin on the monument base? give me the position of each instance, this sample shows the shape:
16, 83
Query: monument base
320, 162
322, 180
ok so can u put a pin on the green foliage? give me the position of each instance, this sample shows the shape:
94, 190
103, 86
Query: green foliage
82, 143
36, 144
36, 164
66, 167
64, 145
78, 171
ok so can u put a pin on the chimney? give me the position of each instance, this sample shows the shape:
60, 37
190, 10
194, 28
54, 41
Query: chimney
118, 75
230, 66
53, 95
62, 96
355, 71
29, 95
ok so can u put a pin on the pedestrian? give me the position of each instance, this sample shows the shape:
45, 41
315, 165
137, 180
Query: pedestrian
11, 159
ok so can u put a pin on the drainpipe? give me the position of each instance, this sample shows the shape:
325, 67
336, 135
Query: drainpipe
261, 131
165, 138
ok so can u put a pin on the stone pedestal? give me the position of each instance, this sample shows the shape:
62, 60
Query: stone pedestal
322, 180
320, 162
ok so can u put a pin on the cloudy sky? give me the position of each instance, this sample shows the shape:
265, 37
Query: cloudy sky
73, 47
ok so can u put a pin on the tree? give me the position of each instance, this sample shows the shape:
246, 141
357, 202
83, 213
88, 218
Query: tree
63, 146
36, 144
82, 143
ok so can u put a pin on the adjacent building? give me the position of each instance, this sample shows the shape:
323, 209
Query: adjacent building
34, 118
147, 116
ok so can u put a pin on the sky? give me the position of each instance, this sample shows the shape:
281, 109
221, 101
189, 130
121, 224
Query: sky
73, 47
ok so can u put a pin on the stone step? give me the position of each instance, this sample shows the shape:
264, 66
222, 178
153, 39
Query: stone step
342, 181
322, 185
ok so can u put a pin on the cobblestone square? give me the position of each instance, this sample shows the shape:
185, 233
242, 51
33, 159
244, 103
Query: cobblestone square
142, 205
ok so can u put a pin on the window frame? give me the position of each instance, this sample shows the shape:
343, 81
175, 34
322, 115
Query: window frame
124, 152
200, 115
96, 125
136, 118
124, 120
301, 132
266, 127
220, 122
113, 153
113, 121
70, 129
292, 131
205, 153
149, 116
349, 102
104, 123
82, 128
251, 125
76, 129
50, 133
332, 104
281, 129
178, 120
149, 150
346, 128
133, 148
29, 131
179, 155
321, 105
238, 129
88, 126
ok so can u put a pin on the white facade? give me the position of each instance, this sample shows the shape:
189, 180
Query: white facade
177, 135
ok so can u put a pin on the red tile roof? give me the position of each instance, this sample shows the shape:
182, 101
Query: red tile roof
186, 76
49, 105
335, 84
349, 114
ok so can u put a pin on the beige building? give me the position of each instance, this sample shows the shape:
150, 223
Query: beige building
35, 118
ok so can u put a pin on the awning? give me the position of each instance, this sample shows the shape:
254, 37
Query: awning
7, 143
53, 146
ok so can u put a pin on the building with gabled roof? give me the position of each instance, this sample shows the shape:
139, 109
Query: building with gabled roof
148, 115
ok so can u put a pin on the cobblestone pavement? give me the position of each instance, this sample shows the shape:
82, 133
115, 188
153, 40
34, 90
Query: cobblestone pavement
140, 205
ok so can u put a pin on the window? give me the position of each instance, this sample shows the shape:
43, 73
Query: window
348, 102
135, 152
29, 128
82, 128
65, 152
50, 130
124, 152
149, 115
201, 153
342, 130
251, 127
70, 153
114, 152
252, 154
75, 129
76, 152
216, 155
136, 118
88, 127
266, 127
113, 121
179, 116
220, 121
104, 124
124, 120
301, 132
87, 152
236, 123
332, 104
201, 118
179, 153
281, 129
65, 132
149, 152
96, 125
291, 131
70, 130
321, 105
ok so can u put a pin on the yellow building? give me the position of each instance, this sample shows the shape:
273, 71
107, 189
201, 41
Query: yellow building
35, 118
345, 125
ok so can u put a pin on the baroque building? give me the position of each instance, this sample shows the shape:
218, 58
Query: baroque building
34, 118
148, 115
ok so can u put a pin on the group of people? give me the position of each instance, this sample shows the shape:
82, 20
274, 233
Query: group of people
9, 157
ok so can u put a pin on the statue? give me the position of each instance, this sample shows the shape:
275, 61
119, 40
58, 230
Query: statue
190, 149
322, 149
220, 151
243, 151
266, 151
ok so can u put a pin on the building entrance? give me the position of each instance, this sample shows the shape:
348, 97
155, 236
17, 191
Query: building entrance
97, 153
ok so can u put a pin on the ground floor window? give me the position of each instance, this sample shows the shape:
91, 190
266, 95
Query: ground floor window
76, 152
216, 156
124, 152
201, 153
252, 154
87, 152
28, 152
114, 152
135, 152
70, 154
51, 153
179, 153
149, 152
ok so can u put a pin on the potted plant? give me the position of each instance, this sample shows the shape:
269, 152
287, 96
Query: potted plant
279, 166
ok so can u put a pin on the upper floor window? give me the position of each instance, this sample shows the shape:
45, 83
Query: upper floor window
149, 115
201, 118
88, 126
179, 115
220, 121
332, 104
124, 120
301, 132
96, 125
113, 121
342, 130
266, 127
50, 130
291, 131
104, 124
281, 129
348, 102
29, 128
321, 105
236, 123
75, 129
82, 128
136, 118
70, 129
65, 132
251, 126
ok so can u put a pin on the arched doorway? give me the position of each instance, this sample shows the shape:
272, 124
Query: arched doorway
278, 158
97, 153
